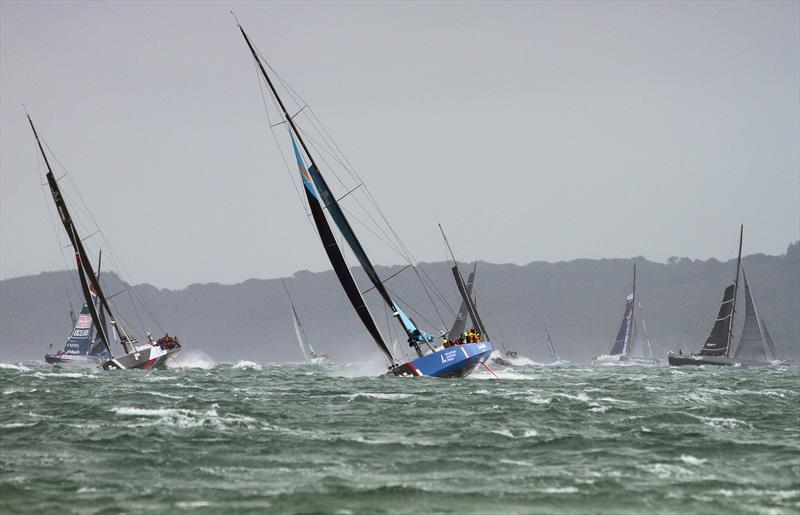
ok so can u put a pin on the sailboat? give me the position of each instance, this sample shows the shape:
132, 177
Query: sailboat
430, 360
152, 355
310, 355
755, 347
83, 346
628, 336
557, 360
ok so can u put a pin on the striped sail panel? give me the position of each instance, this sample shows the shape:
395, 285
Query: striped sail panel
717, 342
623, 341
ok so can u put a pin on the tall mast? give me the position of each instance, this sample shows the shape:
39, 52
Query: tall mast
735, 290
633, 313
286, 115
84, 265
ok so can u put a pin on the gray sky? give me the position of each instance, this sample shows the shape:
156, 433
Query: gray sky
533, 131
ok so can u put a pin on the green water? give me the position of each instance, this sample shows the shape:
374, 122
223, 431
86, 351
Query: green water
288, 438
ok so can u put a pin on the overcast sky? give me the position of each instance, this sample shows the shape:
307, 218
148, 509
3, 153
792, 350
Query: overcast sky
533, 131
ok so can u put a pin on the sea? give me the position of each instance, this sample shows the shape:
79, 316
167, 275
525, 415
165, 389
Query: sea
339, 439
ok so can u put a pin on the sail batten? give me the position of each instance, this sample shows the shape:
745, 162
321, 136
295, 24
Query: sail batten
717, 342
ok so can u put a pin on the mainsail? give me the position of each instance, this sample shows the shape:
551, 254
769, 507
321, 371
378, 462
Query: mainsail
622, 345
717, 342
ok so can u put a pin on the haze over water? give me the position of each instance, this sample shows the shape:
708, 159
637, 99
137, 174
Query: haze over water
290, 438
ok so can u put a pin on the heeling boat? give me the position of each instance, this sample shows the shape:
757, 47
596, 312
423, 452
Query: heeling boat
311, 356
551, 348
430, 361
152, 355
755, 347
628, 336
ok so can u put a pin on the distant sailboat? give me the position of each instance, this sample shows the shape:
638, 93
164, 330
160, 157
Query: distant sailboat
430, 361
557, 360
311, 357
755, 347
152, 355
628, 336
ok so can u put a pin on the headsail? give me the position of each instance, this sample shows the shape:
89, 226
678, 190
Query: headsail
460, 322
768, 339
752, 341
82, 334
553, 354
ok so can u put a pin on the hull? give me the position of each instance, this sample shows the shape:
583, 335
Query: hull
679, 360
147, 357
624, 360
74, 360
458, 361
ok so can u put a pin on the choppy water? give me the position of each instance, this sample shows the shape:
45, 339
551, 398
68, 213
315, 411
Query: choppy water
286, 438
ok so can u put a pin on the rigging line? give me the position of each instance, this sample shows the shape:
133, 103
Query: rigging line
387, 279
299, 100
56, 233
409, 256
82, 207
408, 306
279, 146
363, 209
494, 321
371, 231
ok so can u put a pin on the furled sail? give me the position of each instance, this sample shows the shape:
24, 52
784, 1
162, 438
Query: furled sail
460, 322
622, 345
717, 342
751, 343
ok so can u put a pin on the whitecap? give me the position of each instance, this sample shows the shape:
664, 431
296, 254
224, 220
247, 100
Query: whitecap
691, 460
559, 490
247, 364
11, 366
378, 395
